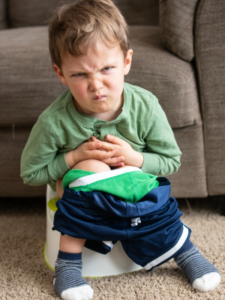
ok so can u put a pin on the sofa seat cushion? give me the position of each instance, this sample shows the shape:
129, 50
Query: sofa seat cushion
29, 84
12, 143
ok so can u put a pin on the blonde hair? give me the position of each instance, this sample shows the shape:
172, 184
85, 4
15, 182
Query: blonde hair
73, 27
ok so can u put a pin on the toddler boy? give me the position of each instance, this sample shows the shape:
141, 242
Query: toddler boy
98, 123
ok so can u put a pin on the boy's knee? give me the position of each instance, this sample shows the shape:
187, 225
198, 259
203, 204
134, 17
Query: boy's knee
92, 165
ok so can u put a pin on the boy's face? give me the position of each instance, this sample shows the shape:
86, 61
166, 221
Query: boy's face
96, 79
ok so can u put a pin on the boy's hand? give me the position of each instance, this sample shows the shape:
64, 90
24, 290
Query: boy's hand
132, 157
94, 149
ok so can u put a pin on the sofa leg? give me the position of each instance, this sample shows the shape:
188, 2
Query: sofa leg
222, 204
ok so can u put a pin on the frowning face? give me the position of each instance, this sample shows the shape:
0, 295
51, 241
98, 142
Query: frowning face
96, 79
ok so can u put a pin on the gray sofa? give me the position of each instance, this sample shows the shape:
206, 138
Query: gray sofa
179, 55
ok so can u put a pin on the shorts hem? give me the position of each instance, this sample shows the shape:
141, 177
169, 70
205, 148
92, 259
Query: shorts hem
170, 253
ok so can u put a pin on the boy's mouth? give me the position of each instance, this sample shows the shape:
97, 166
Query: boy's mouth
99, 97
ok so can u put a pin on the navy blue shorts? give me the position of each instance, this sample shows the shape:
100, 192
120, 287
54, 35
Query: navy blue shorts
150, 230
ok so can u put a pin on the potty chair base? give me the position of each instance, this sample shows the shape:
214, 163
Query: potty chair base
94, 264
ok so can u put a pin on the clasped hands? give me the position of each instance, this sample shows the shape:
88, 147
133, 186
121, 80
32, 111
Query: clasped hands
115, 152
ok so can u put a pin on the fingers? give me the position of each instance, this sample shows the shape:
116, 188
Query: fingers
113, 139
92, 139
105, 155
114, 161
103, 151
108, 146
105, 145
109, 138
92, 150
91, 145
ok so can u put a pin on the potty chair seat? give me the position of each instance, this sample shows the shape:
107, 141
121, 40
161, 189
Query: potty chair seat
94, 264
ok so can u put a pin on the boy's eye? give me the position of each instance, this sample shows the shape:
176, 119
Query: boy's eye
107, 68
79, 74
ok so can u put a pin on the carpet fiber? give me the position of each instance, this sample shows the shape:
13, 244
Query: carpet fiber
24, 274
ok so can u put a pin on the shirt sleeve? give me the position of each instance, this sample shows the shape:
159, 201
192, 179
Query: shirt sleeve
162, 154
40, 162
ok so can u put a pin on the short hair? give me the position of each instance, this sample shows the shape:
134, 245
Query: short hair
79, 24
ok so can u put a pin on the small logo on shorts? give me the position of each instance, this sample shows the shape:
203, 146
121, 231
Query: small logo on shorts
135, 221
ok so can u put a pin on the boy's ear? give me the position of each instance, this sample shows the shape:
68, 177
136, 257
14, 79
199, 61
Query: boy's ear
127, 62
59, 74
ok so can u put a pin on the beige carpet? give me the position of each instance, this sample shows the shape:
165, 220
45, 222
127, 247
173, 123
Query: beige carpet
24, 275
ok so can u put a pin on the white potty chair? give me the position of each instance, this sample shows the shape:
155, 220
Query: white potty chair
94, 264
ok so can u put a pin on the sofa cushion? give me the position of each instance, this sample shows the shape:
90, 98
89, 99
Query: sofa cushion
35, 13
28, 82
141, 12
26, 13
171, 79
177, 26
3, 15
29, 85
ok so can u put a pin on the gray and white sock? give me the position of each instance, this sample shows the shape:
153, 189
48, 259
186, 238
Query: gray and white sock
69, 283
202, 274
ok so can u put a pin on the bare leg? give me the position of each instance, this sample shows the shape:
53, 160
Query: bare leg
71, 245
59, 188
91, 165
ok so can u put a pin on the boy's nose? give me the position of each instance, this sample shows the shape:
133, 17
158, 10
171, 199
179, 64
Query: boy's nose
95, 84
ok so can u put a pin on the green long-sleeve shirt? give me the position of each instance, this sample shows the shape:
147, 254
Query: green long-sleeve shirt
61, 128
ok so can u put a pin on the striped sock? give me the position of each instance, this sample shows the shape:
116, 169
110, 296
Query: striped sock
69, 283
201, 273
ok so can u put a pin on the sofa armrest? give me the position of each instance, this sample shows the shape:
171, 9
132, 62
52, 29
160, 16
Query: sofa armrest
210, 63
